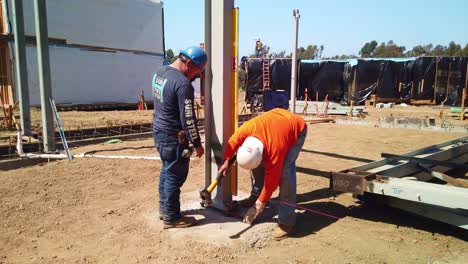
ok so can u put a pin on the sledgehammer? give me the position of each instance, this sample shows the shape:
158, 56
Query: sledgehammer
205, 194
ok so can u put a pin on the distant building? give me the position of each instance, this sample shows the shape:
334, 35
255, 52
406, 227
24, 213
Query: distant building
100, 51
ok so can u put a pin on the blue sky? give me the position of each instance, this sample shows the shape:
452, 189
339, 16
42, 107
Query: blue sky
341, 26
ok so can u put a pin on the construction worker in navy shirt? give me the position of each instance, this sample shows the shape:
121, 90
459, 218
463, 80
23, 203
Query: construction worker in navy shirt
174, 127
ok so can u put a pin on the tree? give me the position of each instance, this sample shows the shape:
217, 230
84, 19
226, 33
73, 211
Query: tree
453, 49
420, 50
242, 77
428, 48
438, 50
464, 52
281, 54
417, 51
367, 51
389, 50
309, 53
170, 56
265, 51
319, 55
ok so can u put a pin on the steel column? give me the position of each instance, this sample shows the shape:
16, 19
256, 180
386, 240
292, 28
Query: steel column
220, 95
21, 66
423, 192
40, 14
206, 86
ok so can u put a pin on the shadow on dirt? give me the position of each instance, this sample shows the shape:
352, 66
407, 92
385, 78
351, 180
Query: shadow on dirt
319, 215
212, 215
313, 172
338, 156
20, 163
379, 212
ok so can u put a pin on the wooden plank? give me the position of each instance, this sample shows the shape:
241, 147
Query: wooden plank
390, 100
423, 102
443, 176
9, 78
322, 120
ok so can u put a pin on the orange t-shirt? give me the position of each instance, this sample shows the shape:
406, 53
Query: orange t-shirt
278, 130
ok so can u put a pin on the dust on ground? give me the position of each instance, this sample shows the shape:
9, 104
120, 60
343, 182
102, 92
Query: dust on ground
105, 210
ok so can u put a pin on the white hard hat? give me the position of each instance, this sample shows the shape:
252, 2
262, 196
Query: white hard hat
250, 154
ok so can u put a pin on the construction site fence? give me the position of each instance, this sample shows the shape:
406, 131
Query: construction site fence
430, 79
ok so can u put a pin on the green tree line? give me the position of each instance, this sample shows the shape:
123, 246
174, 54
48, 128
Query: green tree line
371, 49
390, 49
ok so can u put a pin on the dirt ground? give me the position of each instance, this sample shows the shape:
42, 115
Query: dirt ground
76, 120
105, 210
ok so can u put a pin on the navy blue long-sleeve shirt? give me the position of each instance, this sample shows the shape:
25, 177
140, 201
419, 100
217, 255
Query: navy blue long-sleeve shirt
173, 96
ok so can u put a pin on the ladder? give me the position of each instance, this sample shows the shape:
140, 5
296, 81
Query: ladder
266, 72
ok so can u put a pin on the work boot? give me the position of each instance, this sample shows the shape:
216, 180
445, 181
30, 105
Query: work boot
282, 231
185, 221
248, 202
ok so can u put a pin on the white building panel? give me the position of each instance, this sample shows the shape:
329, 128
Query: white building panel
119, 24
82, 76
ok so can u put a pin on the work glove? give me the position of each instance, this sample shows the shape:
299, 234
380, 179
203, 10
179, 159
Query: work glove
253, 212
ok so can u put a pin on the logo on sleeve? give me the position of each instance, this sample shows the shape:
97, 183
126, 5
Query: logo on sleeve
158, 87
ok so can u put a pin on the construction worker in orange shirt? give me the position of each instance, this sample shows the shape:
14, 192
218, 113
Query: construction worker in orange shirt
274, 140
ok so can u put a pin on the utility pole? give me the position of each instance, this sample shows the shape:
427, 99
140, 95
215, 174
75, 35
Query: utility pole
48, 133
294, 60
21, 66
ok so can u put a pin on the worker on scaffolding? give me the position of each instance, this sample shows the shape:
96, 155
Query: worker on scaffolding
174, 126
274, 140
258, 48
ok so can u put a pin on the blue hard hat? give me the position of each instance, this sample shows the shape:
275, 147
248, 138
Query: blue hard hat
197, 55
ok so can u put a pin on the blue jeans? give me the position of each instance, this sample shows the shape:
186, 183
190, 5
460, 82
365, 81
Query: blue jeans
257, 177
286, 213
173, 174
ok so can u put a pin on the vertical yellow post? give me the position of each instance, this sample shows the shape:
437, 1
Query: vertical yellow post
235, 86
462, 114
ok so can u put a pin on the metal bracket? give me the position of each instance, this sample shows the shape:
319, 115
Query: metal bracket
350, 180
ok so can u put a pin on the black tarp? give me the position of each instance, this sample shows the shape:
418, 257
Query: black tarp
324, 78
280, 75
423, 73
412, 78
